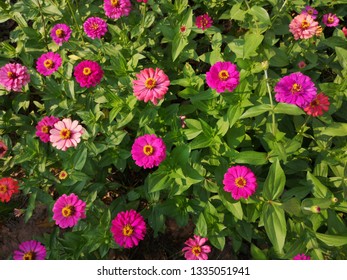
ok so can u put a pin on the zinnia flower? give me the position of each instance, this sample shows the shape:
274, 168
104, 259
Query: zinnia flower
14, 76
310, 11
117, 8
151, 85
60, 33
68, 210
62, 175
297, 89
3, 149
344, 30
318, 106
30, 250
330, 20
88, 73
301, 257
95, 27
203, 21
8, 187
44, 126
65, 134
223, 76
240, 181
303, 27
48, 63
195, 249
128, 228
148, 151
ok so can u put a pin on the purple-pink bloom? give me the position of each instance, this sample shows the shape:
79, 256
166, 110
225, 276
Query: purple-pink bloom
240, 181
297, 89
148, 151
14, 76
95, 27
60, 33
88, 73
117, 8
301, 257
68, 210
195, 249
330, 20
151, 85
30, 250
44, 126
48, 63
310, 11
3, 149
203, 21
65, 134
223, 76
128, 228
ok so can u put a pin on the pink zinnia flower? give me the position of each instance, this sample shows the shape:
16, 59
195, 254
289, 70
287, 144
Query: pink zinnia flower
223, 76
318, 106
148, 151
240, 181
68, 210
310, 11
30, 250
128, 228
60, 33
95, 27
117, 8
44, 126
303, 27
14, 76
203, 21
65, 134
301, 257
88, 73
8, 187
3, 149
344, 30
143, 1
48, 63
195, 249
330, 20
151, 85
297, 89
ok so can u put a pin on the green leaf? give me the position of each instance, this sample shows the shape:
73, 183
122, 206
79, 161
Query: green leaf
256, 111
274, 182
341, 56
252, 42
251, 157
159, 180
336, 129
289, 109
233, 114
79, 159
31, 206
178, 44
332, 240
280, 59
318, 189
236, 13
256, 253
201, 225
234, 207
261, 14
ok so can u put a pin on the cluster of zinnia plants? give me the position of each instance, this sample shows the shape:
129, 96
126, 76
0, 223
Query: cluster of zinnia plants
228, 118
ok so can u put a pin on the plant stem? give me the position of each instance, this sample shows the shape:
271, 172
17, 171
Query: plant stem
44, 25
271, 102
284, 3
75, 20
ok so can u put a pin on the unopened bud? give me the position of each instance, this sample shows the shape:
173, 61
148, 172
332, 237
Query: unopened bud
334, 200
265, 65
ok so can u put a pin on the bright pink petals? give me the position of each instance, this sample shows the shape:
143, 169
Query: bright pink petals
60, 33
48, 63
195, 249
303, 26
318, 106
14, 76
223, 76
330, 20
301, 257
203, 21
117, 8
88, 73
30, 250
310, 11
95, 27
44, 126
8, 187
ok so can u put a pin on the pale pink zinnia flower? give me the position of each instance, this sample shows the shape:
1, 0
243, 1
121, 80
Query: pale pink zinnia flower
240, 181
3, 149
151, 85
301, 257
318, 106
68, 210
203, 21
65, 134
88, 73
195, 249
310, 11
44, 126
148, 151
223, 76
95, 27
330, 20
303, 27
30, 250
60, 33
128, 228
14, 76
48, 63
117, 8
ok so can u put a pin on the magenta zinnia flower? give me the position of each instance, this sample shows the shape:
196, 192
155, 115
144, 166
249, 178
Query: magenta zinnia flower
151, 85
195, 249
65, 134
203, 21
88, 73
148, 151
303, 26
8, 187
14, 76
117, 8
297, 89
48, 63
301, 257
60, 33
128, 228
30, 250
318, 106
330, 20
240, 181
68, 210
44, 126
3, 149
223, 76
95, 27
310, 11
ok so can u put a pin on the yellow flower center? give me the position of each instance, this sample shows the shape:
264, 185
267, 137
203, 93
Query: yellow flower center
68, 211
59, 32
48, 63
65, 133
148, 150
10, 74
62, 175
128, 230
29, 256
95, 26
305, 24
3, 188
223, 75
114, 3
330, 20
296, 88
87, 71
150, 83
196, 250
45, 129
240, 182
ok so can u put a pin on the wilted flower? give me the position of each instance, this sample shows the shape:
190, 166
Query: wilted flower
8, 187
303, 27
88, 73
60, 33
14, 76
95, 27
48, 63
117, 8
223, 76
195, 249
330, 20
30, 250
318, 106
203, 21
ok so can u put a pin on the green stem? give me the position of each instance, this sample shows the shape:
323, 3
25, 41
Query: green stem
284, 3
75, 20
271, 102
44, 25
